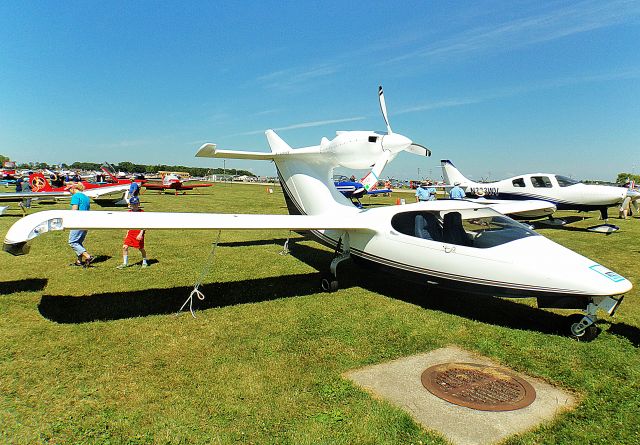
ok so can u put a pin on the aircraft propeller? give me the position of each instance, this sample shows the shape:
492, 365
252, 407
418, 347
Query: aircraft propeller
393, 143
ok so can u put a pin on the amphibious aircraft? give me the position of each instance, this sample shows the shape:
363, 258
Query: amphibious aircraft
564, 192
172, 181
447, 243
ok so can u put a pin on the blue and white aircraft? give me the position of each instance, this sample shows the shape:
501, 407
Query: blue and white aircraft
565, 193
449, 244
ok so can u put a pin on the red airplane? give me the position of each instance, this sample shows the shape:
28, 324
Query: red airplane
110, 193
171, 181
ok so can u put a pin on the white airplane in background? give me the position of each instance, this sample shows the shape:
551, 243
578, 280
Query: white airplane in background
448, 243
565, 193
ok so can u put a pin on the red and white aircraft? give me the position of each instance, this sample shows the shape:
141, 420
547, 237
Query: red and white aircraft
171, 181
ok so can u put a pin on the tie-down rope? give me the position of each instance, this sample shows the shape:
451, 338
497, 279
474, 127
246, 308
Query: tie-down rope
205, 270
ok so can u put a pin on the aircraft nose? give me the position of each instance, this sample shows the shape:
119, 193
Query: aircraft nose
395, 142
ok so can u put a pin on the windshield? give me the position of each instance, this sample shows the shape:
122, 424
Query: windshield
563, 181
481, 228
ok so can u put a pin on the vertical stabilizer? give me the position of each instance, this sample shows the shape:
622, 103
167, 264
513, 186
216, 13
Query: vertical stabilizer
451, 174
39, 183
276, 143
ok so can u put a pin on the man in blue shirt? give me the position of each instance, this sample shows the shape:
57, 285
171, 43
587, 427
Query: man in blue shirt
79, 201
456, 192
134, 191
425, 192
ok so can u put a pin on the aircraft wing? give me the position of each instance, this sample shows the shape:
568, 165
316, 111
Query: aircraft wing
530, 208
19, 196
38, 223
155, 186
98, 192
378, 191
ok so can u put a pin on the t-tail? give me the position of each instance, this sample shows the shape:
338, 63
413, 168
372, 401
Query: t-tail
305, 174
452, 175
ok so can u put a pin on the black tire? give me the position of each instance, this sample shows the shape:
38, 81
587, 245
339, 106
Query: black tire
328, 284
589, 334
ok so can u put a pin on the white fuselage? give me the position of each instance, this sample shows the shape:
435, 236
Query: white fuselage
529, 266
564, 192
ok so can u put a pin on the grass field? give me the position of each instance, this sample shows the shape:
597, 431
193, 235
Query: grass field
99, 356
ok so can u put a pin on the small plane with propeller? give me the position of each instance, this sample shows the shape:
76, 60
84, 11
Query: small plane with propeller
564, 192
174, 181
448, 244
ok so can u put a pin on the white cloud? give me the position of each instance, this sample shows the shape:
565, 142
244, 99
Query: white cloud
577, 18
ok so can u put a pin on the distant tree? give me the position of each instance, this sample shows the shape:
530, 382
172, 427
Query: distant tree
3, 158
624, 177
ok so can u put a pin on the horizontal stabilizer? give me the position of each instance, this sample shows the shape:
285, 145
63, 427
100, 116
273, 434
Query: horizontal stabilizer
210, 151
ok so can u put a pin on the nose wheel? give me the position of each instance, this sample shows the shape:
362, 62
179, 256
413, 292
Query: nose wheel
583, 328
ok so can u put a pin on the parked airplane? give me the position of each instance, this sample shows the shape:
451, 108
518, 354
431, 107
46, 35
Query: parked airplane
355, 190
172, 181
564, 192
21, 196
453, 244
113, 193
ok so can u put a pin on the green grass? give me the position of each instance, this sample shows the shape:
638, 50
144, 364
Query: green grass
98, 355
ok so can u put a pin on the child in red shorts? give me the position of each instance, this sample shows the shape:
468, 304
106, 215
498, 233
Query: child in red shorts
134, 238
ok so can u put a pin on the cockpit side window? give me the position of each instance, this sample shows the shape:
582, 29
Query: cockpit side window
518, 182
564, 181
425, 225
541, 182
480, 228
373, 138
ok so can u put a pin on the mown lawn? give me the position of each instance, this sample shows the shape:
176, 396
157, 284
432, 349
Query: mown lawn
99, 356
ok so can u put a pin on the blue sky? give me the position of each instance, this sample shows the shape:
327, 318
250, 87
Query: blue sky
500, 88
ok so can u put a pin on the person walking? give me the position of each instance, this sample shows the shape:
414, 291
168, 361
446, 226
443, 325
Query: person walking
134, 238
79, 202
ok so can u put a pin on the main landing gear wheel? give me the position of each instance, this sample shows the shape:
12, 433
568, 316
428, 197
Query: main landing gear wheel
577, 331
329, 283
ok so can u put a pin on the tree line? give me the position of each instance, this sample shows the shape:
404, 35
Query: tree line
130, 167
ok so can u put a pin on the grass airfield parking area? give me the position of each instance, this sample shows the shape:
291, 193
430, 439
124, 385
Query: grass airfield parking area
99, 356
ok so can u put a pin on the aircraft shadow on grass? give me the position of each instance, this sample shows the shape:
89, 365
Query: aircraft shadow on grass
118, 305
28, 285
491, 310
497, 311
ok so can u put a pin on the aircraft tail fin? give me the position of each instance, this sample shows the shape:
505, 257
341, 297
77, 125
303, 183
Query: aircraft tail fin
39, 183
370, 181
451, 174
276, 143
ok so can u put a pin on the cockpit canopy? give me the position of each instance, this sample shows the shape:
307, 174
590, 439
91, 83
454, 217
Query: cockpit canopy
481, 228
564, 181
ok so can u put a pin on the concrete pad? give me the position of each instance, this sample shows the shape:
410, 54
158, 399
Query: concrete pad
398, 382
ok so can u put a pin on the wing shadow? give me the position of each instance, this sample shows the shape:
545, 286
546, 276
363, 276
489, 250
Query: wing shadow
28, 285
118, 305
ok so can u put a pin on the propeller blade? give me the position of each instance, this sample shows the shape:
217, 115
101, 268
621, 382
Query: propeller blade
371, 180
418, 149
383, 107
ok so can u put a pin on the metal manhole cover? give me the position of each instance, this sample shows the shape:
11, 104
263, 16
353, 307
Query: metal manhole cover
480, 387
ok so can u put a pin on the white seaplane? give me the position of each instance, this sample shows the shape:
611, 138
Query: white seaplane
564, 192
452, 244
